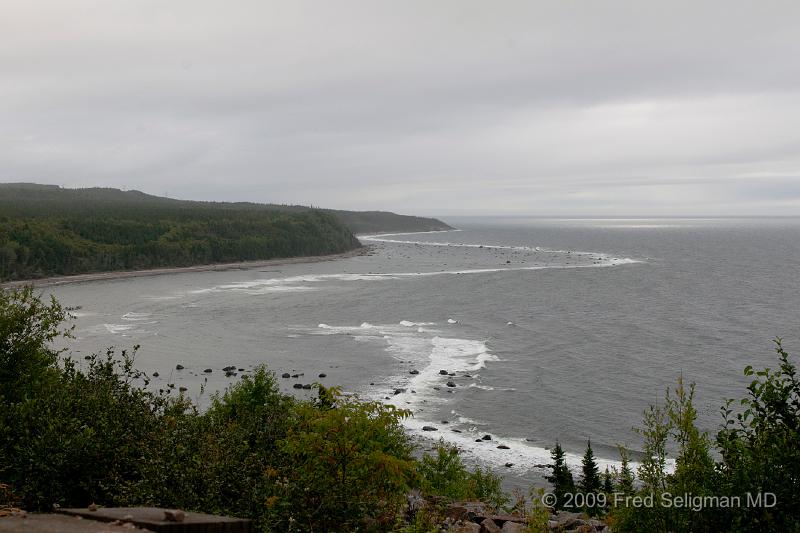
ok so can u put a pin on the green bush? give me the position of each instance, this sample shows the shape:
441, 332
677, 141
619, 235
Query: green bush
759, 448
444, 474
74, 436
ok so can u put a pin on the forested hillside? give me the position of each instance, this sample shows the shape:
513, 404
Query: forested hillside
47, 230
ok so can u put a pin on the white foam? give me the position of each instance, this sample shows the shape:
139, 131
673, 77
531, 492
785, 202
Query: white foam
118, 328
410, 324
136, 317
433, 351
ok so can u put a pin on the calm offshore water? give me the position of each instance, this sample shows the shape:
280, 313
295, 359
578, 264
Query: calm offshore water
555, 328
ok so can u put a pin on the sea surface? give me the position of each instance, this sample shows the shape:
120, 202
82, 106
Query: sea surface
555, 329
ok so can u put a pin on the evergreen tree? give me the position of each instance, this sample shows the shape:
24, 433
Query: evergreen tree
625, 476
560, 477
608, 482
591, 473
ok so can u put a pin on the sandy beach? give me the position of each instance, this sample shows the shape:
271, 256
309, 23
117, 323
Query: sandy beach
220, 267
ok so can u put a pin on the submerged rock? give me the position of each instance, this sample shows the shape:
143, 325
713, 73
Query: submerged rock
286, 375
429, 428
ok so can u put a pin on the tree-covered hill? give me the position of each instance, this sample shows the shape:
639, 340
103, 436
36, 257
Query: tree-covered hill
47, 230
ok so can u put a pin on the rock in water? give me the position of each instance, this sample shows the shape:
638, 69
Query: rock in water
286, 375
429, 428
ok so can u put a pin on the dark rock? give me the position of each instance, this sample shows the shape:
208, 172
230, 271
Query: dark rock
155, 374
478, 440
429, 428
451, 384
513, 527
295, 375
297, 386
509, 465
489, 526
503, 447
207, 370
445, 422
241, 370
286, 375
487, 437
307, 386
451, 374
399, 391
443, 372
456, 431
414, 372
323, 375
182, 389
178, 367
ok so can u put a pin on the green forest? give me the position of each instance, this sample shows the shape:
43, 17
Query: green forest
50, 231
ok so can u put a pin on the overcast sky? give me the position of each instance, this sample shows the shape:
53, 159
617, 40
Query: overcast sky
426, 107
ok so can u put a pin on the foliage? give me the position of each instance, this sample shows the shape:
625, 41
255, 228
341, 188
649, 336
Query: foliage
590, 482
444, 474
352, 462
46, 232
759, 450
73, 435
560, 477
625, 476
537, 515
760, 447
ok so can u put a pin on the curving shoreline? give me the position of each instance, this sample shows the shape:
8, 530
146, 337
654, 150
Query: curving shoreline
217, 267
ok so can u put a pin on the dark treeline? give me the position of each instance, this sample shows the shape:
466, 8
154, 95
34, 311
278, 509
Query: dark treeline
46, 230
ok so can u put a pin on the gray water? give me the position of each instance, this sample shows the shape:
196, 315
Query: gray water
555, 329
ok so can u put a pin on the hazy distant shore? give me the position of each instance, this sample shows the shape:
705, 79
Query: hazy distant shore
219, 267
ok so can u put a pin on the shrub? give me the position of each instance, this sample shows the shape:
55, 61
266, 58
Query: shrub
444, 474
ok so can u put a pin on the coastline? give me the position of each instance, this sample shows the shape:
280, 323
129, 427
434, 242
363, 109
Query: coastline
217, 267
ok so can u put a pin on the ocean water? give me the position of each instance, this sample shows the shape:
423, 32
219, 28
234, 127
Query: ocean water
554, 329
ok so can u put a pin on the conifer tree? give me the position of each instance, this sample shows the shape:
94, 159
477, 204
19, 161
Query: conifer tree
608, 482
625, 478
560, 477
590, 482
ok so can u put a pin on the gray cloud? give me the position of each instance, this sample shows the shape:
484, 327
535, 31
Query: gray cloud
441, 107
